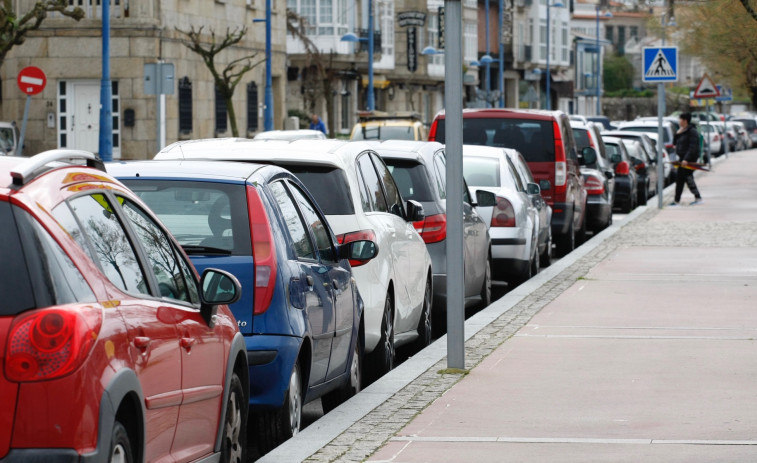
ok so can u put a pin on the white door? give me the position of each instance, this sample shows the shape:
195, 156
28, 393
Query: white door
85, 121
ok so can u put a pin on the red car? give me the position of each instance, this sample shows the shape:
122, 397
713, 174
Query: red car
112, 348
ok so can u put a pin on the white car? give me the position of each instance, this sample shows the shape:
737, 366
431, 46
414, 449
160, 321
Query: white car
301, 134
712, 138
513, 218
360, 199
650, 127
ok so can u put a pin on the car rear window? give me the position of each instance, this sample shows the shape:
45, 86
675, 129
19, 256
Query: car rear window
411, 179
533, 138
207, 214
386, 132
749, 124
582, 138
14, 279
329, 187
650, 129
481, 171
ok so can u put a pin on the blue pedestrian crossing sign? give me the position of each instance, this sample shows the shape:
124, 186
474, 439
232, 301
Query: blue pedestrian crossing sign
660, 64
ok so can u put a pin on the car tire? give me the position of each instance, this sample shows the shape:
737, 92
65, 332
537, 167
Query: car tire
535, 263
486, 287
385, 353
581, 235
353, 385
545, 258
628, 205
644, 195
426, 322
524, 275
234, 444
567, 243
120, 445
275, 427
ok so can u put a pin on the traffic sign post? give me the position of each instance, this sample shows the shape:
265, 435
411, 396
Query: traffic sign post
660, 64
31, 80
707, 89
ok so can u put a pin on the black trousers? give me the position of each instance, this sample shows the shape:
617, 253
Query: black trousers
686, 176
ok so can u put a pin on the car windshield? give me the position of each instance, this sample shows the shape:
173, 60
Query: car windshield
411, 178
533, 138
749, 124
6, 138
207, 214
329, 187
385, 132
650, 129
481, 171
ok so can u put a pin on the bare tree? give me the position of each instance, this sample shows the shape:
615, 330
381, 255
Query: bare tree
228, 78
14, 26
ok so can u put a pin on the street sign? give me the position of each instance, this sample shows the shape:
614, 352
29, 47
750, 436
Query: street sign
660, 64
159, 78
31, 80
726, 94
706, 88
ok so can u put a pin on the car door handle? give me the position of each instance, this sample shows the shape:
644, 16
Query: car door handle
142, 342
187, 343
310, 280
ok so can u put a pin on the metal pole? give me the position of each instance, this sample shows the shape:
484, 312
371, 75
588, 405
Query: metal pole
725, 127
453, 104
549, 102
105, 148
268, 98
596, 75
20, 150
501, 56
660, 145
158, 106
371, 104
707, 115
487, 67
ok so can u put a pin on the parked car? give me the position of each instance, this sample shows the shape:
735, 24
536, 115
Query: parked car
419, 169
646, 170
300, 313
603, 121
8, 139
673, 120
743, 140
712, 138
360, 200
545, 140
512, 216
649, 141
750, 124
599, 178
626, 188
113, 348
651, 127
728, 134
578, 118
300, 134
378, 125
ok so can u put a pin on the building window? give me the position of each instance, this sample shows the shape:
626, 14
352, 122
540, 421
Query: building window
609, 34
433, 37
386, 26
221, 114
470, 42
543, 40
252, 107
564, 44
323, 17
345, 110
621, 39
634, 32
185, 105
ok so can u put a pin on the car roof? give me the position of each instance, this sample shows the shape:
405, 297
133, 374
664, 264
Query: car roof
507, 113
484, 151
300, 134
612, 140
331, 153
638, 123
404, 149
185, 169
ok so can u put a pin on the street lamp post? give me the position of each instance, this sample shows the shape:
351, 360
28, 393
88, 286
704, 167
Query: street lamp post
351, 37
549, 26
598, 73
487, 63
268, 97
501, 56
105, 141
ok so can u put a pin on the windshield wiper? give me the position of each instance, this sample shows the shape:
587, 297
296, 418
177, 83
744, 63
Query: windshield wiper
205, 250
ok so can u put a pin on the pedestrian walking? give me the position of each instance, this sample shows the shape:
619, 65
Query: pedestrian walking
687, 150
317, 124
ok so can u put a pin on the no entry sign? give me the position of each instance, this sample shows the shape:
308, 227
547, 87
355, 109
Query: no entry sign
31, 80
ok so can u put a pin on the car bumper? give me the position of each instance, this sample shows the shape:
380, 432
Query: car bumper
271, 359
599, 210
505, 269
623, 190
562, 216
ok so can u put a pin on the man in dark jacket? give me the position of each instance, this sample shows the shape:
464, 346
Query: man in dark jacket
687, 149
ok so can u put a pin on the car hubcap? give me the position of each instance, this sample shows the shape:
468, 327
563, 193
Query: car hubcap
355, 373
118, 455
295, 412
488, 283
234, 428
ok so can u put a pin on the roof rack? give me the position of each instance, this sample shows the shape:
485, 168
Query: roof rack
382, 115
36, 164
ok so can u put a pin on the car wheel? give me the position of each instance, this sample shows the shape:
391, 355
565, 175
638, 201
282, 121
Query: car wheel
486, 288
234, 445
535, 264
384, 355
567, 242
425, 324
581, 235
277, 426
545, 259
644, 195
524, 275
335, 398
120, 446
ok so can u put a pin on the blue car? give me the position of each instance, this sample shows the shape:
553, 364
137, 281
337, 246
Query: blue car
300, 311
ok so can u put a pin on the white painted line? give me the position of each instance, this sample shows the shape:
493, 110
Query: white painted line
572, 440
31, 80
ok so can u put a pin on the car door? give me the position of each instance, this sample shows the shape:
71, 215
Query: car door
408, 248
340, 279
201, 346
153, 339
312, 279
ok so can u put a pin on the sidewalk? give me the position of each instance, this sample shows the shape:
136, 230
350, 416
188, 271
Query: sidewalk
639, 346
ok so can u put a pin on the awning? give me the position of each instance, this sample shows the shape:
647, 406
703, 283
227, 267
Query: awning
379, 81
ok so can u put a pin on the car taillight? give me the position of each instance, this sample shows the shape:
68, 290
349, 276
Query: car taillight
639, 166
503, 214
50, 343
263, 252
356, 236
561, 168
623, 168
594, 185
432, 131
433, 228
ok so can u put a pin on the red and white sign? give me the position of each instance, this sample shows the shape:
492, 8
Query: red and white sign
31, 80
706, 88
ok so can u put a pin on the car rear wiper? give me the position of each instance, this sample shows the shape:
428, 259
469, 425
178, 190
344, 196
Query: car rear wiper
195, 249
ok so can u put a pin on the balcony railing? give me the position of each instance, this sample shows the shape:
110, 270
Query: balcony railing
93, 8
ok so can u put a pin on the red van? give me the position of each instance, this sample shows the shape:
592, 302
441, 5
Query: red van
545, 139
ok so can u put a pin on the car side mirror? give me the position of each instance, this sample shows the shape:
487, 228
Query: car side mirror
485, 198
358, 252
414, 211
589, 155
217, 287
544, 185
609, 174
615, 158
533, 189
